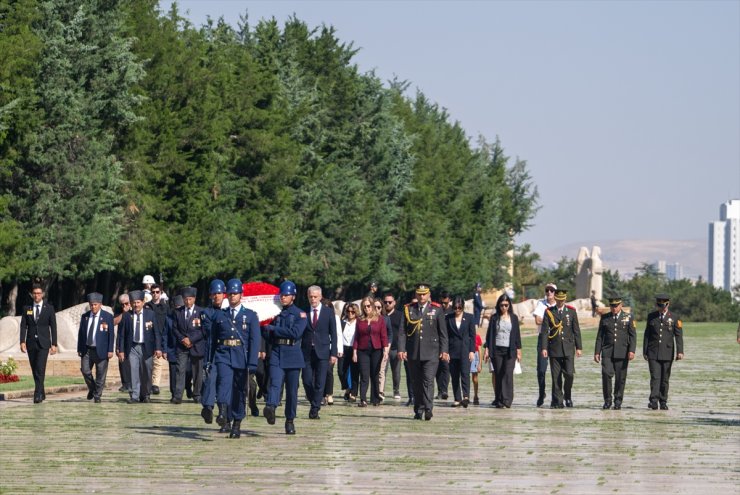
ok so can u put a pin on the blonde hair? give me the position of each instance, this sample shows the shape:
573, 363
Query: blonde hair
371, 315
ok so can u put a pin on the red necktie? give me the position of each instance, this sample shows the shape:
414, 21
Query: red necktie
315, 317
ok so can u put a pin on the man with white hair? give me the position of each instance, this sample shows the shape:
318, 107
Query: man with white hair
319, 345
539, 314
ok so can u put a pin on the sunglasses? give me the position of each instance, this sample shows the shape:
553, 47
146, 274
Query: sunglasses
127, 304
367, 305
352, 311
550, 290
156, 291
458, 307
505, 305
389, 302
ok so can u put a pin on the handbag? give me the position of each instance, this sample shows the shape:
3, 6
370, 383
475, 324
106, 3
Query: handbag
517, 368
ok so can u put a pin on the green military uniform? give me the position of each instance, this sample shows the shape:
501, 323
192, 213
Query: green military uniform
616, 340
662, 341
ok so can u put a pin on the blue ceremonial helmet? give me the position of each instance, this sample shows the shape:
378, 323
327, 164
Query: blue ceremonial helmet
234, 286
217, 286
287, 288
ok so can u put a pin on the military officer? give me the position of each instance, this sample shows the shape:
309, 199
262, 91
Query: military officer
235, 343
95, 345
560, 340
422, 341
616, 340
662, 340
217, 293
286, 357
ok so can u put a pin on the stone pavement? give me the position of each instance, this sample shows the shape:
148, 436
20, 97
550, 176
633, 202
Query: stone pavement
70, 445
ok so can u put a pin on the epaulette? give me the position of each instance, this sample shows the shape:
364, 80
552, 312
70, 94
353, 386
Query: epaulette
436, 305
570, 307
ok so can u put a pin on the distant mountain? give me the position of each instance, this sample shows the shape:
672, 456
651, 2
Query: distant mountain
626, 255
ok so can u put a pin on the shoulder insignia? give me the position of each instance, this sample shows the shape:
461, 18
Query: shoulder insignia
436, 305
570, 307
303, 314
679, 324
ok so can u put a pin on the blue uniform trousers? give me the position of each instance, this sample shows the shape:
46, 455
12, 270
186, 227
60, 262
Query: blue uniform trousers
208, 394
231, 389
290, 376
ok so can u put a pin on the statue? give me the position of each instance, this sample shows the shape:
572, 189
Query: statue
589, 273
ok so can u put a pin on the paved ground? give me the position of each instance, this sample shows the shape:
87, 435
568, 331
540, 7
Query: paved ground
70, 445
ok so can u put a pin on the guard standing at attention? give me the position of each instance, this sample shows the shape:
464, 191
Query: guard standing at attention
217, 293
662, 330
422, 341
235, 345
616, 340
560, 340
286, 357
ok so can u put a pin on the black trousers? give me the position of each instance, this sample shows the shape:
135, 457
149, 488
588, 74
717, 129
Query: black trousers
504, 364
443, 377
422, 381
89, 361
369, 361
541, 372
124, 370
460, 374
562, 370
329, 384
395, 370
660, 374
409, 384
349, 373
37, 358
613, 369
314, 378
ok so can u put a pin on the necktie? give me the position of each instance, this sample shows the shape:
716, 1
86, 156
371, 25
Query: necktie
187, 314
233, 313
91, 331
315, 317
137, 328
38, 310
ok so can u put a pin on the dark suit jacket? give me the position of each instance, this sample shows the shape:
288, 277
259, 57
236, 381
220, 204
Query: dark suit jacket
45, 327
104, 335
477, 306
367, 333
515, 339
658, 341
321, 338
152, 333
191, 328
433, 329
566, 342
616, 336
462, 339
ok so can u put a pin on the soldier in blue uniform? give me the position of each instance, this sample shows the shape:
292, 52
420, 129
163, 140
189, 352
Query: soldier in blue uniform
286, 357
235, 344
217, 293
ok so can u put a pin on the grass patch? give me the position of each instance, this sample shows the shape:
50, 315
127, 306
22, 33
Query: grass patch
26, 383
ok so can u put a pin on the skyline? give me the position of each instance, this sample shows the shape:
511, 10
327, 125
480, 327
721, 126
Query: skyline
628, 114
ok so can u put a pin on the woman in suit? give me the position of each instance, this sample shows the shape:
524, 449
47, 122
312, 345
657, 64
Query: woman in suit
504, 347
461, 338
371, 337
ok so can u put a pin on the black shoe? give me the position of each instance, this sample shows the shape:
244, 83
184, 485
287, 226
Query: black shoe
122, 389
653, 405
556, 406
97, 400
476, 402
269, 413
175, 401
346, 396
568, 403
428, 415
289, 427
235, 429
409, 402
362, 403
189, 393
132, 401
90, 394
196, 400
664, 406
207, 414
37, 400
617, 405
498, 405
444, 396
155, 390
146, 400
417, 415
226, 428
254, 411
465, 402
313, 414
607, 405
540, 401
221, 419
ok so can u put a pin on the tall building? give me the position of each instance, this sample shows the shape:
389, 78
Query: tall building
674, 271
724, 247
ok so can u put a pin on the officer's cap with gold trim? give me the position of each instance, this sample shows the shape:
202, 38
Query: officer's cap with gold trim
561, 294
615, 301
422, 288
662, 298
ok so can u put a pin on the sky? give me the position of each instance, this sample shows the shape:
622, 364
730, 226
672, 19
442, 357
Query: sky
627, 113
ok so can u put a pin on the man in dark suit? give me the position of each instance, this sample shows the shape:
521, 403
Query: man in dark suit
616, 340
95, 345
662, 340
38, 338
560, 340
423, 342
161, 309
461, 336
139, 340
443, 367
319, 349
477, 304
191, 345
